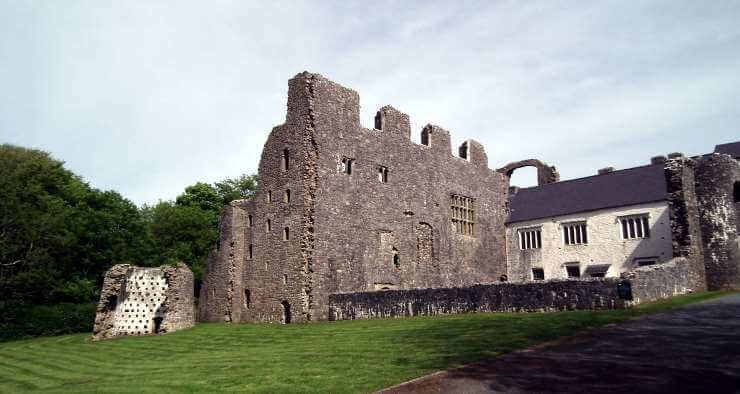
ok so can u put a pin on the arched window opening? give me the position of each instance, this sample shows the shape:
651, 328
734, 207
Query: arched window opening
285, 162
285, 279
396, 258
247, 298
250, 251
524, 177
286, 196
269, 196
286, 234
286, 312
249, 221
268, 225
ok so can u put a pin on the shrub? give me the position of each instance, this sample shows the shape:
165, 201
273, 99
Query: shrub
45, 320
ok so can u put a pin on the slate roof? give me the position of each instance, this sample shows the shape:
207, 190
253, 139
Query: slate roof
732, 149
631, 186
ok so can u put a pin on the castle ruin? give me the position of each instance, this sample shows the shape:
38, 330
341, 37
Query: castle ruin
346, 211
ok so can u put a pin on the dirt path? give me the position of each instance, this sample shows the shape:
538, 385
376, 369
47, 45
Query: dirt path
693, 349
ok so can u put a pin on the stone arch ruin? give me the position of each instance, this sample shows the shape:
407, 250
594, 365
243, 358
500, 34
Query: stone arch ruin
545, 173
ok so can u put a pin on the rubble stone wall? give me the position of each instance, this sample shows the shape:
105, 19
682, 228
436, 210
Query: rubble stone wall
718, 177
683, 209
654, 282
538, 296
319, 227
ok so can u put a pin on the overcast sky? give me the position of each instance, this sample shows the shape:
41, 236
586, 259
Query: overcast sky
147, 97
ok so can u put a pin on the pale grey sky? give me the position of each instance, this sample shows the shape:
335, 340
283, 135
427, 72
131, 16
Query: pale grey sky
147, 97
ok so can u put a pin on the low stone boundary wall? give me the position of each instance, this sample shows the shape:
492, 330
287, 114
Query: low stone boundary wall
643, 284
552, 295
658, 281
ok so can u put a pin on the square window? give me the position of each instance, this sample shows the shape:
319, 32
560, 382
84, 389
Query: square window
574, 271
538, 274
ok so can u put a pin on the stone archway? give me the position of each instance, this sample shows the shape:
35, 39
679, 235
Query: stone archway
545, 173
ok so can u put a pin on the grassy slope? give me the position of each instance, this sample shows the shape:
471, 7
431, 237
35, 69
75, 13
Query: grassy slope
349, 356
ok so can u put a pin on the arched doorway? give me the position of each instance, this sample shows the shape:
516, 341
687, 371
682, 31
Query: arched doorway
286, 312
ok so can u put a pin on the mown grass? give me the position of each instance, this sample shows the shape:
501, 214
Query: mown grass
349, 356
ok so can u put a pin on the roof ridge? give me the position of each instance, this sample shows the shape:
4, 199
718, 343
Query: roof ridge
587, 177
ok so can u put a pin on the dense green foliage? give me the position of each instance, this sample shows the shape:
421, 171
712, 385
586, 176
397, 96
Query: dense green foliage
58, 235
44, 320
345, 356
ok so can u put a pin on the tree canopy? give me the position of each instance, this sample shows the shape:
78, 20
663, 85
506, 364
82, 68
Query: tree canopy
58, 235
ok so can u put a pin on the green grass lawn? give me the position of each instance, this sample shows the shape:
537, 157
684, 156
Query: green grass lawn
347, 356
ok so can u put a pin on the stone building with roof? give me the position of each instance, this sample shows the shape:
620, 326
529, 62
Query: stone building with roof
607, 224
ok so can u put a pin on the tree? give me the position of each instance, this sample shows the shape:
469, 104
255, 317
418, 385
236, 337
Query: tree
182, 233
231, 189
57, 234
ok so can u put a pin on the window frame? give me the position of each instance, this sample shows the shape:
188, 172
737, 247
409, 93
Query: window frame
462, 214
634, 227
576, 265
529, 238
574, 233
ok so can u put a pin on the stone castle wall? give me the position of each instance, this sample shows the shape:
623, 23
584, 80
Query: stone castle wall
340, 232
683, 208
143, 301
718, 177
640, 285
539, 296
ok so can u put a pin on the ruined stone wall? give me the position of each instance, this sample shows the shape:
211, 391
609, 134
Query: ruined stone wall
358, 231
716, 177
220, 291
142, 301
554, 295
373, 233
683, 211
653, 282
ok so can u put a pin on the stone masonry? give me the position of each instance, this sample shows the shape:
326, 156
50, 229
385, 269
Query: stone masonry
143, 301
343, 208
717, 189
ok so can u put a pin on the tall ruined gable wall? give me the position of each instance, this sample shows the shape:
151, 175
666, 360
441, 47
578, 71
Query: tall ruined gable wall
361, 223
343, 228
221, 288
716, 176
686, 234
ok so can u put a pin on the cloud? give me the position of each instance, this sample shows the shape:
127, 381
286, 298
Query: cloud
149, 97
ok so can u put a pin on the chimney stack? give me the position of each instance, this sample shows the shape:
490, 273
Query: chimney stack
605, 170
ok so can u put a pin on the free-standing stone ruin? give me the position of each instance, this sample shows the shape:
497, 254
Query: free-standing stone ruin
143, 301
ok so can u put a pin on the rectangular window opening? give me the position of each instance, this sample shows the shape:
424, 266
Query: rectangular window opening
635, 227
463, 214
346, 165
538, 274
575, 234
574, 271
530, 239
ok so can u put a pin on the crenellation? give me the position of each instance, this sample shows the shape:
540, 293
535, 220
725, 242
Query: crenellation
345, 209
389, 119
